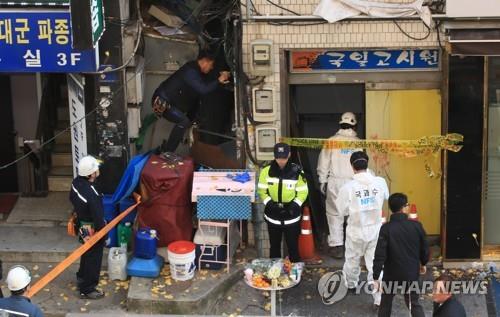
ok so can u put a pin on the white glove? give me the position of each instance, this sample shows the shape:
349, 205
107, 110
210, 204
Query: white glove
323, 187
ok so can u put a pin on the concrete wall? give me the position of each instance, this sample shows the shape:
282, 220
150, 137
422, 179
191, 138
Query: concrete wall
346, 34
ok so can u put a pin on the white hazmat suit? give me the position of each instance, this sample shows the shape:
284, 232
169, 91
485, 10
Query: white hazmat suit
362, 199
334, 169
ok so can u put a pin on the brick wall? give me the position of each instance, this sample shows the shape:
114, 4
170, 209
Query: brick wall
347, 34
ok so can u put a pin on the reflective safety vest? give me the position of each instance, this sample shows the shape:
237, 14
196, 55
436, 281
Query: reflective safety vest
282, 185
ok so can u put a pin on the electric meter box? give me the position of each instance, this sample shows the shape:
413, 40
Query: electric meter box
261, 57
263, 104
266, 136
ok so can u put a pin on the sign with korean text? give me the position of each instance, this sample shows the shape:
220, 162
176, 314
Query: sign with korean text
40, 41
87, 19
31, 3
97, 15
364, 60
76, 99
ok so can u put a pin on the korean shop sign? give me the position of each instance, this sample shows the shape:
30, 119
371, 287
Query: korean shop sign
88, 22
364, 60
40, 41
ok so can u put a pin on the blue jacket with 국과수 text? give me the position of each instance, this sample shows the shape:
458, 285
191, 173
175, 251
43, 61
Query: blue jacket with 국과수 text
19, 306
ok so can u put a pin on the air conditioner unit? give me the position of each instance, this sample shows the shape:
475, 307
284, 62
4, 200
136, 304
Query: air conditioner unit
468, 8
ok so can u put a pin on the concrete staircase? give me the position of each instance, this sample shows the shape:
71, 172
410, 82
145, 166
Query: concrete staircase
61, 172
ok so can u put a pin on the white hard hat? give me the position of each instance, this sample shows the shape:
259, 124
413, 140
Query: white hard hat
349, 118
18, 278
87, 166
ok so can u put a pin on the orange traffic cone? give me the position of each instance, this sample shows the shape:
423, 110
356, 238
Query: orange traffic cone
306, 240
413, 212
384, 219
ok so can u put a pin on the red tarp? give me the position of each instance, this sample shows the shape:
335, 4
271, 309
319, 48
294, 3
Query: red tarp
166, 195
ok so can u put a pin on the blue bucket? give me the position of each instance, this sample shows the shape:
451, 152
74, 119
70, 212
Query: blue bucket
124, 204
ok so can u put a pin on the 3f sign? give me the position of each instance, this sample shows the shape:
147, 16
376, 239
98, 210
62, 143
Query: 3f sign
62, 59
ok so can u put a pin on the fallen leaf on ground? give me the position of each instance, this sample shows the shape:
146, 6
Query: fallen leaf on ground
267, 307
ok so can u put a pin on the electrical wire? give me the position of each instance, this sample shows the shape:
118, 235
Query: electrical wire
26, 155
438, 33
282, 8
413, 37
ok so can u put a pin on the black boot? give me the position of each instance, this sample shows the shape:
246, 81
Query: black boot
337, 252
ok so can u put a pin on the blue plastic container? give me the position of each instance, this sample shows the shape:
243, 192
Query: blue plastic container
145, 267
110, 212
124, 204
211, 253
145, 243
112, 238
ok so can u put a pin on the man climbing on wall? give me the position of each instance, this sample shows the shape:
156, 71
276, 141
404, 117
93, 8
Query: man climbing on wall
176, 98
334, 170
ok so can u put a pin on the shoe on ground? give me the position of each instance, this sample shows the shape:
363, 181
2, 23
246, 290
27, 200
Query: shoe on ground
337, 252
95, 294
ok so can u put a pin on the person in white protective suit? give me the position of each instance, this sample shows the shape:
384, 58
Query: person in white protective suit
361, 199
334, 170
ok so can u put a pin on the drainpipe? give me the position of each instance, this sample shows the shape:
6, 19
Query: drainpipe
249, 16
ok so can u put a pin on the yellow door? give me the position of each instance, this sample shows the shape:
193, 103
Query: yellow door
407, 114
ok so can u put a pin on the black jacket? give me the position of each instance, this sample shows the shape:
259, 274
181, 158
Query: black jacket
184, 87
87, 202
451, 308
401, 249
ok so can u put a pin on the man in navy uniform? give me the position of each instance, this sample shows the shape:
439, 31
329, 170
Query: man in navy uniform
87, 204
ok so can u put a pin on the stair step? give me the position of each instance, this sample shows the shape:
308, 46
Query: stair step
59, 183
62, 159
64, 138
61, 171
62, 148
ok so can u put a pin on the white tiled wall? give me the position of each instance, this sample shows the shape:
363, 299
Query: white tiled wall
348, 34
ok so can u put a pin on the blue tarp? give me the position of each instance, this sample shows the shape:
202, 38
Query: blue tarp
130, 177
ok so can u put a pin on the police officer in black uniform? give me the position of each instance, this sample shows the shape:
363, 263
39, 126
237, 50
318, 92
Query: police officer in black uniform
87, 204
283, 190
177, 97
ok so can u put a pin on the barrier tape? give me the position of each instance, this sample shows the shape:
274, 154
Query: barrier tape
64, 264
408, 148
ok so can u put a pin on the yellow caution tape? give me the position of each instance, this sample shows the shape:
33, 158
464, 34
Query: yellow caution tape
408, 148
425, 146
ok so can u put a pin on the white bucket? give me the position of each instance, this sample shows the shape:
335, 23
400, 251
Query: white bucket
182, 266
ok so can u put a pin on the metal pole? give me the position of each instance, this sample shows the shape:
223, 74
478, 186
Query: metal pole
273, 302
